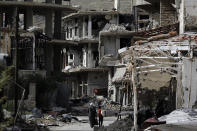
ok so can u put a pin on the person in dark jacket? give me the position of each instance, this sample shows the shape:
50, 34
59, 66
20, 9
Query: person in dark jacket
92, 115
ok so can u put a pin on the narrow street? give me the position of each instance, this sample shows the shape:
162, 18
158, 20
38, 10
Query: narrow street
130, 63
81, 126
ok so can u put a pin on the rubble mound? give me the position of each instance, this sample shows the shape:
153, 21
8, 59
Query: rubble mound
110, 105
180, 116
114, 28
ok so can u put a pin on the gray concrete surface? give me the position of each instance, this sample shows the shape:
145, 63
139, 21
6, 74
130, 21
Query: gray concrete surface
78, 126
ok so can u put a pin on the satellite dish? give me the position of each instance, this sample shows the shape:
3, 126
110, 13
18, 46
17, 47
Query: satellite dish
64, 50
108, 17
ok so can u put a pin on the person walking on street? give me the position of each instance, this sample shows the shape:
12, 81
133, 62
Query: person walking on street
92, 115
100, 116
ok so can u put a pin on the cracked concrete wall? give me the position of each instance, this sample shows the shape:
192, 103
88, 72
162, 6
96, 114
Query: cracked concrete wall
155, 80
190, 14
156, 86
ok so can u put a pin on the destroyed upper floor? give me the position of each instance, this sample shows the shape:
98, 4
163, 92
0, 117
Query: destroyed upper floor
163, 12
43, 14
123, 6
87, 25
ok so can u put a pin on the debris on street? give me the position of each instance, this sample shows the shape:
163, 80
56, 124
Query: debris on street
124, 64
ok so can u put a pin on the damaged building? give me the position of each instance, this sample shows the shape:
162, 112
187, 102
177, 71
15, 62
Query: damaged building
146, 23
27, 12
98, 48
35, 54
81, 51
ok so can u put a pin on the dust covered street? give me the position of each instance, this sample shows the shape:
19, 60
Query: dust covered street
98, 65
78, 126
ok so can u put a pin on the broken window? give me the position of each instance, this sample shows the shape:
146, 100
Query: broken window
76, 20
126, 20
96, 58
144, 17
71, 56
143, 21
70, 32
67, 30
76, 28
66, 60
125, 42
95, 55
111, 92
98, 23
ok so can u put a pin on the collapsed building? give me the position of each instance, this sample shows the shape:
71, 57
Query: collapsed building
146, 23
179, 47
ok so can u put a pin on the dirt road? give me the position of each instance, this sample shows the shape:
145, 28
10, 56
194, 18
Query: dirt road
78, 126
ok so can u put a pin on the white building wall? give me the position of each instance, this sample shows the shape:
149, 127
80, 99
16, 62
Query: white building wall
190, 14
189, 82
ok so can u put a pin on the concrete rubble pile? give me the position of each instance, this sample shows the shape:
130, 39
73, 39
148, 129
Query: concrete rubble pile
110, 105
180, 116
114, 28
56, 117
181, 119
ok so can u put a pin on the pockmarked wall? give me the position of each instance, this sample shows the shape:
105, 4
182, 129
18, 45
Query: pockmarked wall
190, 15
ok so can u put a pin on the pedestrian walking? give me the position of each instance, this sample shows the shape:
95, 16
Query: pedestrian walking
92, 115
100, 115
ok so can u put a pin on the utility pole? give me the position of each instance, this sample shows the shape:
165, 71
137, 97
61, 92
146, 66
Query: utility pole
134, 95
16, 60
134, 85
181, 17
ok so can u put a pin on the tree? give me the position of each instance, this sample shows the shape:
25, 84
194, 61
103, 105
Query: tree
6, 77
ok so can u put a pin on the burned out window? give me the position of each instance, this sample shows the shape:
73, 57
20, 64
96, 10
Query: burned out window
76, 20
127, 21
95, 55
141, 25
71, 32
111, 92
112, 72
76, 28
125, 42
71, 56
144, 17
67, 30
143, 21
